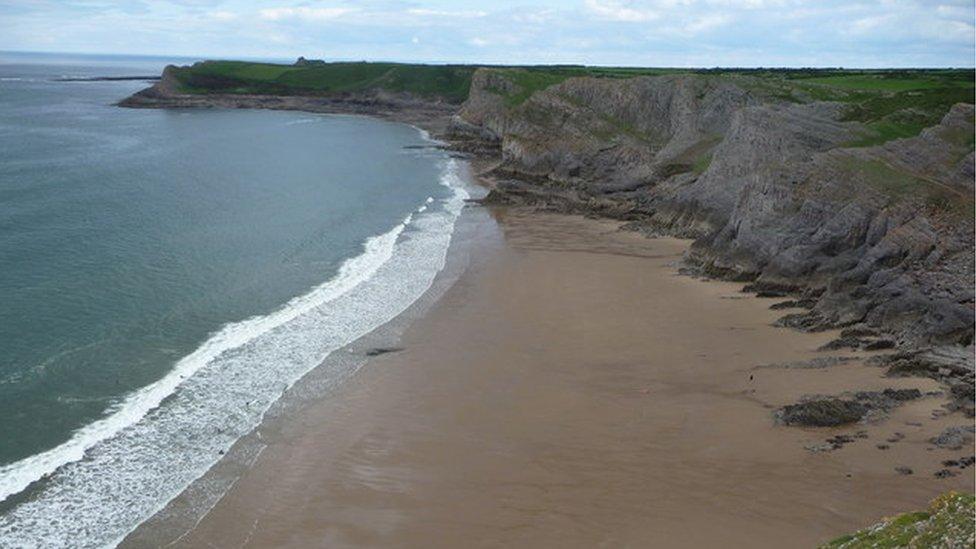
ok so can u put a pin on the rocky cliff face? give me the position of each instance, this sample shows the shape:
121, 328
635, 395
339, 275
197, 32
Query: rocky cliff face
168, 93
880, 238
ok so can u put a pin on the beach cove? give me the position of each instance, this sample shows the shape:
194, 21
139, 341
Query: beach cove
604, 309
569, 389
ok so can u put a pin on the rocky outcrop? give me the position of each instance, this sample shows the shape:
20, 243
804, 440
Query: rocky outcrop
168, 93
822, 413
834, 411
955, 438
949, 364
879, 237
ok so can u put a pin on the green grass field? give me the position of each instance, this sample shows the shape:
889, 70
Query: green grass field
535, 78
869, 82
447, 82
890, 103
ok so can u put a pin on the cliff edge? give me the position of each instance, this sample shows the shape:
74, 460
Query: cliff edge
782, 191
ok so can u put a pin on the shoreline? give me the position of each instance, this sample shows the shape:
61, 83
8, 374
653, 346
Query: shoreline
305, 449
951, 363
196, 501
430, 116
437, 121
208, 449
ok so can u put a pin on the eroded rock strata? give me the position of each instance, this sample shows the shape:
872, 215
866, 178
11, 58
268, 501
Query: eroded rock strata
877, 236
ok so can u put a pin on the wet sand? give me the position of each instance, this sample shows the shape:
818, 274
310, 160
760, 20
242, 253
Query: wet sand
572, 390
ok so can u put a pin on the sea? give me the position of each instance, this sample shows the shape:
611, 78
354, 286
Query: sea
167, 275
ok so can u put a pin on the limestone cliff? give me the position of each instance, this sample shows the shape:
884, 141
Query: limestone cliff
772, 189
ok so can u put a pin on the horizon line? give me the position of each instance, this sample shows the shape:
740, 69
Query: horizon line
282, 60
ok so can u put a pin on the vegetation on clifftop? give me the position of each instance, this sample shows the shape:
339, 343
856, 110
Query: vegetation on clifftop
445, 82
891, 103
948, 523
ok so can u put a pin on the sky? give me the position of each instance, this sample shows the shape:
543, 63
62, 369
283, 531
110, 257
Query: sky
673, 33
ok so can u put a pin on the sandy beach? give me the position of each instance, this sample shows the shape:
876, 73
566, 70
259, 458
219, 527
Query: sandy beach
571, 389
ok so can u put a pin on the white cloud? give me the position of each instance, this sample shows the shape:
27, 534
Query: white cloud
954, 12
869, 24
752, 4
304, 13
631, 32
221, 15
467, 14
667, 5
619, 10
537, 17
707, 23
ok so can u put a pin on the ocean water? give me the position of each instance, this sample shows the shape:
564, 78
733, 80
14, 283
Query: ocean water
166, 275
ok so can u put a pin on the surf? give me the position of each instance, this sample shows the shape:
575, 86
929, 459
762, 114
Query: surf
119, 470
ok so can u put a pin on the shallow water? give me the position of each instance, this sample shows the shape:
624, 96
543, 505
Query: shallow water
165, 275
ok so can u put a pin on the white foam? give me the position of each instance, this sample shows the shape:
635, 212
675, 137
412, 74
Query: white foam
302, 121
18, 475
116, 472
427, 202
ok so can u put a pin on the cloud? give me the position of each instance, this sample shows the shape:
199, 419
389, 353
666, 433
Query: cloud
469, 14
619, 10
849, 33
535, 17
870, 24
304, 13
706, 23
222, 15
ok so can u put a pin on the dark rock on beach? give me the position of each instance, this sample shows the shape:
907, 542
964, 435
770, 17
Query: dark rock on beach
834, 411
837, 442
897, 437
955, 438
822, 413
858, 343
952, 366
884, 398
806, 303
377, 351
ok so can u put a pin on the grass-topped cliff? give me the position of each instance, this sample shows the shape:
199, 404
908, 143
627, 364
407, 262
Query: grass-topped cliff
447, 82
892, 103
